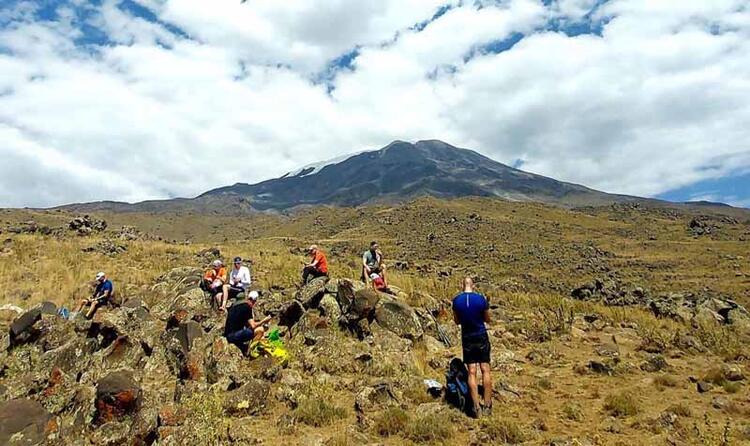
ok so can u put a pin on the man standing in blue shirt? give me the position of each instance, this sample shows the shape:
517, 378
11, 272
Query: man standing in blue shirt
471, 312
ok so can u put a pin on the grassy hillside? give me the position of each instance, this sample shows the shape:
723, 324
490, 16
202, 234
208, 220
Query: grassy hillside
526, 257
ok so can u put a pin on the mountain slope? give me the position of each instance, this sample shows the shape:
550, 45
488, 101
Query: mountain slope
403, 170
397, 172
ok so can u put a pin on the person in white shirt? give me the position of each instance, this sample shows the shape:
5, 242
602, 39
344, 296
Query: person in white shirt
239, 282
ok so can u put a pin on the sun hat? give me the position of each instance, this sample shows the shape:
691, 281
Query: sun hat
217, 262
99, 275
253, 295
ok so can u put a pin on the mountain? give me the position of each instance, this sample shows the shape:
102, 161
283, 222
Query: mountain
399, 171
403, 170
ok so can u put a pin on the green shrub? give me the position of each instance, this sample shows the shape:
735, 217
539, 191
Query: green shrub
572, 411
392, 421
681, 409
502, 430
731, 387
317, 412
663, 381
621, 405
430, 428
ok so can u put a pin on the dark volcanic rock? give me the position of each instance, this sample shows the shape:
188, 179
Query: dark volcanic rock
22, 329
24, 422
117, 395
311, 293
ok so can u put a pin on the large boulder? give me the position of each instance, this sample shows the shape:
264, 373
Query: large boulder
398, 318
117, 396
345, 291
22, 329
363, 304
329, 307
290, 313
311, 293
372, 398
249, 399
24, 422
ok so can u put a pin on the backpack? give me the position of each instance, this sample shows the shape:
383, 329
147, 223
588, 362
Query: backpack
457, 386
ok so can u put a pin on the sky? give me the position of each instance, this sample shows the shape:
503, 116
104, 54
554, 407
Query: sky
145, 99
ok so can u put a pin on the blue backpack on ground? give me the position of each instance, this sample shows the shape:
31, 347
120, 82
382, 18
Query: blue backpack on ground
457, 386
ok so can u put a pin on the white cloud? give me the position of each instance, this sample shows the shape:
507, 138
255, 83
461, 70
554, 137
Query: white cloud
660, 100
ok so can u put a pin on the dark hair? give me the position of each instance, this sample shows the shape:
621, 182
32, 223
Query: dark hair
373, 243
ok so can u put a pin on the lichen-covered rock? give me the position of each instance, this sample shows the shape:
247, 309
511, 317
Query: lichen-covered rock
399, 318
249, 399
24, 422
310, 294
329, 307
224, 363
372, 398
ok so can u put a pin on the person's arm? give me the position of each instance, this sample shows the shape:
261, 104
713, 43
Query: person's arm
486, 312
455, 317
315, 262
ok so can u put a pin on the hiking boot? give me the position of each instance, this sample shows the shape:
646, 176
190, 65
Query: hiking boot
475, 412
486, 411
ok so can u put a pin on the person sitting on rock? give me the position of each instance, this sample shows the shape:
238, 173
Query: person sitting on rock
213, 282
471, 312
102, 294
240, 327
239, 282
378, 284
372, 262
317, 268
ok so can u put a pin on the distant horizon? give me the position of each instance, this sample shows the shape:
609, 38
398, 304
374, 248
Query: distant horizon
345, 158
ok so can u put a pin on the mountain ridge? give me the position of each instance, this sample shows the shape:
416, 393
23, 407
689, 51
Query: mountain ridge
397, 172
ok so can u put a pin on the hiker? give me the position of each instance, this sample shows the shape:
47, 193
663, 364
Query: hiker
378, 284
102, 294
239, 282
372, 262
471, 312
317, 268
240, 327
213, 282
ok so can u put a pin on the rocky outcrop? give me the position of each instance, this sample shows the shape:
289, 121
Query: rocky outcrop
25, 422
398, 318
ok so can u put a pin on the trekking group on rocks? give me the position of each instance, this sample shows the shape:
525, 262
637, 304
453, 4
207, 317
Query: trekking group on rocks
470, 311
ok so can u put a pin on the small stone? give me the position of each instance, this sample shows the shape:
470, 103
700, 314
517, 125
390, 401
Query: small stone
704, 386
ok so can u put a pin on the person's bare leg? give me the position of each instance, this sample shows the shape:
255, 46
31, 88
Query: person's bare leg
92, 310
486, 383
81, 305
258, 333
473, 387
224, 296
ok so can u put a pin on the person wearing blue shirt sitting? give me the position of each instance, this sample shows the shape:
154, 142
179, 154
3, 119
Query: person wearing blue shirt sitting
102, 294
471, 311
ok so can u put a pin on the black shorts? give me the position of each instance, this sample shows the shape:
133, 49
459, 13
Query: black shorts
234, 291
476, 349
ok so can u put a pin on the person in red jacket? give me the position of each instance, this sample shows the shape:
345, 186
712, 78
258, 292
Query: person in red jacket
318, 266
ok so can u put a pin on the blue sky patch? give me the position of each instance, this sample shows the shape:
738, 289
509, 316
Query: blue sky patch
734, 190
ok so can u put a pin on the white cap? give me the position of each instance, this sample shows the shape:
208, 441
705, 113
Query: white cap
253, 295
374, 276
99, 275
218, 262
